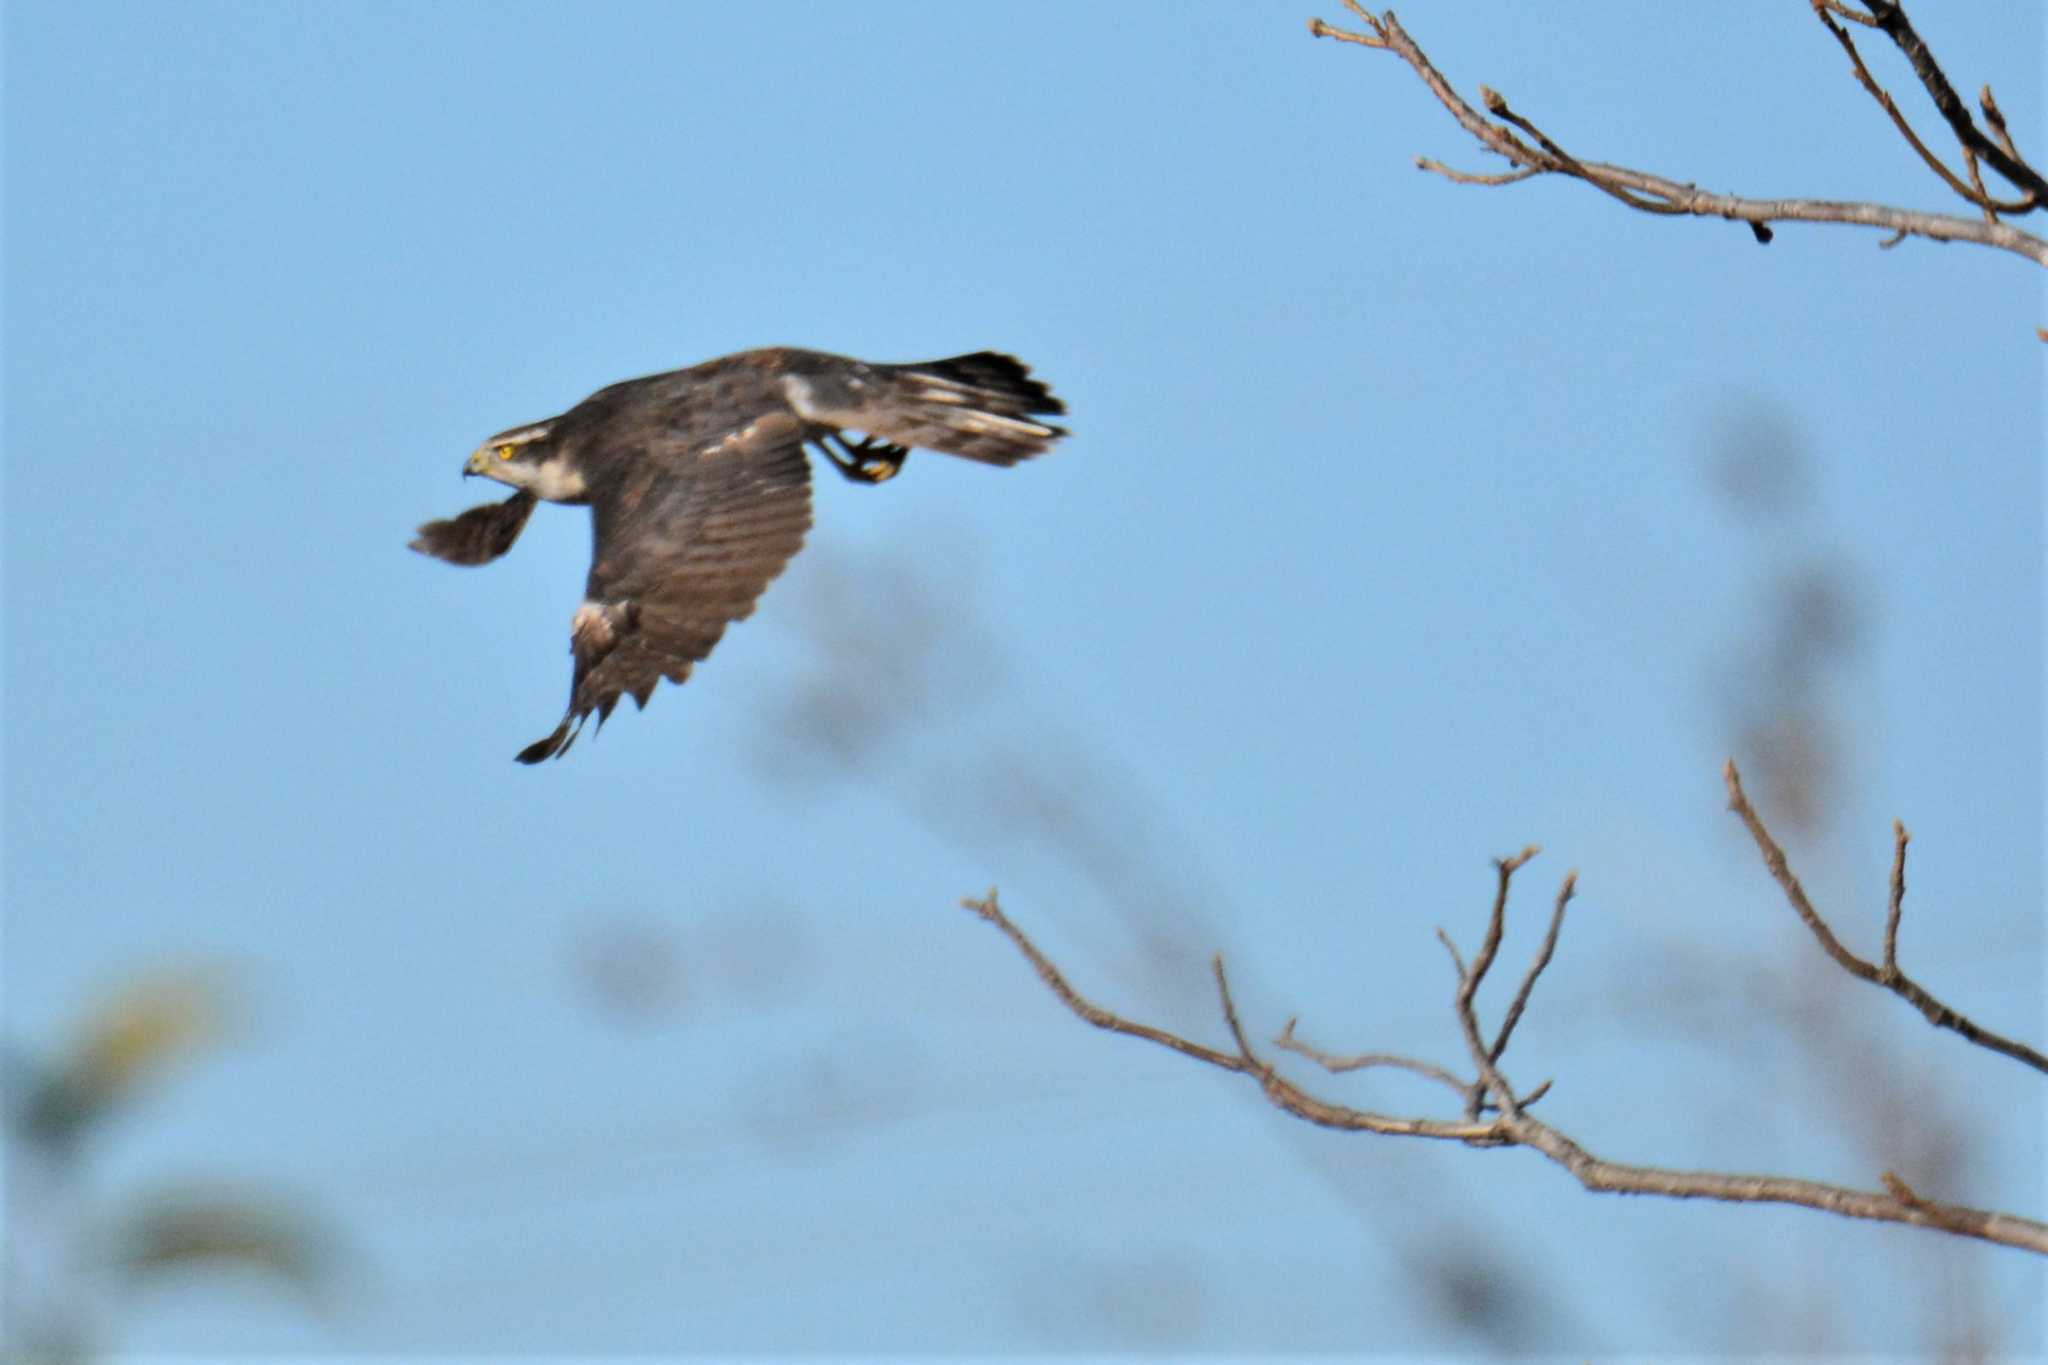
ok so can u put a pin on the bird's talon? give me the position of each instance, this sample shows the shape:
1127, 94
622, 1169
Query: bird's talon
870, 460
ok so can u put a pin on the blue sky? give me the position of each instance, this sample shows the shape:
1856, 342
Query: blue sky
1387, 542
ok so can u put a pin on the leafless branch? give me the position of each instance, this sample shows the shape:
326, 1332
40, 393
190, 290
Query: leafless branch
1650, 193
1277, 1088
1974, 192
1896, 906
1361, 1061
1469, 178
1510, 1123
1837, 7
987, 908
1889, 17
1995, 116
1887, 975
1542, 960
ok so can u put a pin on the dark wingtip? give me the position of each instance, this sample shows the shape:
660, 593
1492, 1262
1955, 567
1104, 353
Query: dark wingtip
479, 535
554, 746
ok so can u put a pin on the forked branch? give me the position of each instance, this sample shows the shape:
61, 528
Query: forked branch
1495, 1115
1887, 973
1541, 154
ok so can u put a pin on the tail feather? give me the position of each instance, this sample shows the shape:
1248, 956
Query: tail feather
983, 406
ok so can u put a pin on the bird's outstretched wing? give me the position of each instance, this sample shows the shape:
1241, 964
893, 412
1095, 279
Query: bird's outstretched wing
479, 535
684, 545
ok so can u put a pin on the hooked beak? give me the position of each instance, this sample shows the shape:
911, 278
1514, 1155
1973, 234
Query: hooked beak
476, 462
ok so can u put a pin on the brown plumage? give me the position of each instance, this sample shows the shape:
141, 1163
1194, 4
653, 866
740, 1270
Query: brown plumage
699, 488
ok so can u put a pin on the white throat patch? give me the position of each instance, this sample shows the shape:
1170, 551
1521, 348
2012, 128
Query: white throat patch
556, 480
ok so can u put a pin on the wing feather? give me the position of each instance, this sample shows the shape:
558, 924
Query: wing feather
479, 535
684, 546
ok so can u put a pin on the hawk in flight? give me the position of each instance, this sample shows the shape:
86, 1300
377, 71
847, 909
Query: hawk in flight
699, 490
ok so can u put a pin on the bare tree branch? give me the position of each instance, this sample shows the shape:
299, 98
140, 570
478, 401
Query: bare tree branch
1542, 960
1995, 116
1511, 1125
1888, 975
1974, 191
1491, 1082
987, 908
1360, 1061
1895, 908
1649, 193
1837, 7
1277, 1088
1890, 18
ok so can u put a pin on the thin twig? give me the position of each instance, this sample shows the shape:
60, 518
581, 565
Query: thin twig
1991, 210
1343, 35
1496, 923
1493, 1087
988, 908
1489, 1090
1542, 960
1896, 906
1837, 7
1287, 1041
1230, 1020
1890, 17
1457, 958
1995, 116
1472, 178
1497, 105
1977, 195
1892, 979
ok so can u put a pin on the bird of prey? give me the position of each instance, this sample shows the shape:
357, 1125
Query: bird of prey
699, 490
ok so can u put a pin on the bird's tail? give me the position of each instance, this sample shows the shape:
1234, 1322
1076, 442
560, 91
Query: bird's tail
982, 407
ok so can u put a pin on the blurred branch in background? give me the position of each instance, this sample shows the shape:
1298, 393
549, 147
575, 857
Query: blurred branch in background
913, 695
65, 1260
1806, 632
1651, 193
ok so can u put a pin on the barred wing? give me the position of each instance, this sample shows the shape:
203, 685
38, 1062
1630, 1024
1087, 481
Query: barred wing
479, 535
685, 544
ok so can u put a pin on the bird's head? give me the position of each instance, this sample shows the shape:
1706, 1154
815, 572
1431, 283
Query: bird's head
527, 457
512, 457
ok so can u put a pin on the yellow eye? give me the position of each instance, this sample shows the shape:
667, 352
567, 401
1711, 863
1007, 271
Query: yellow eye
504, 452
